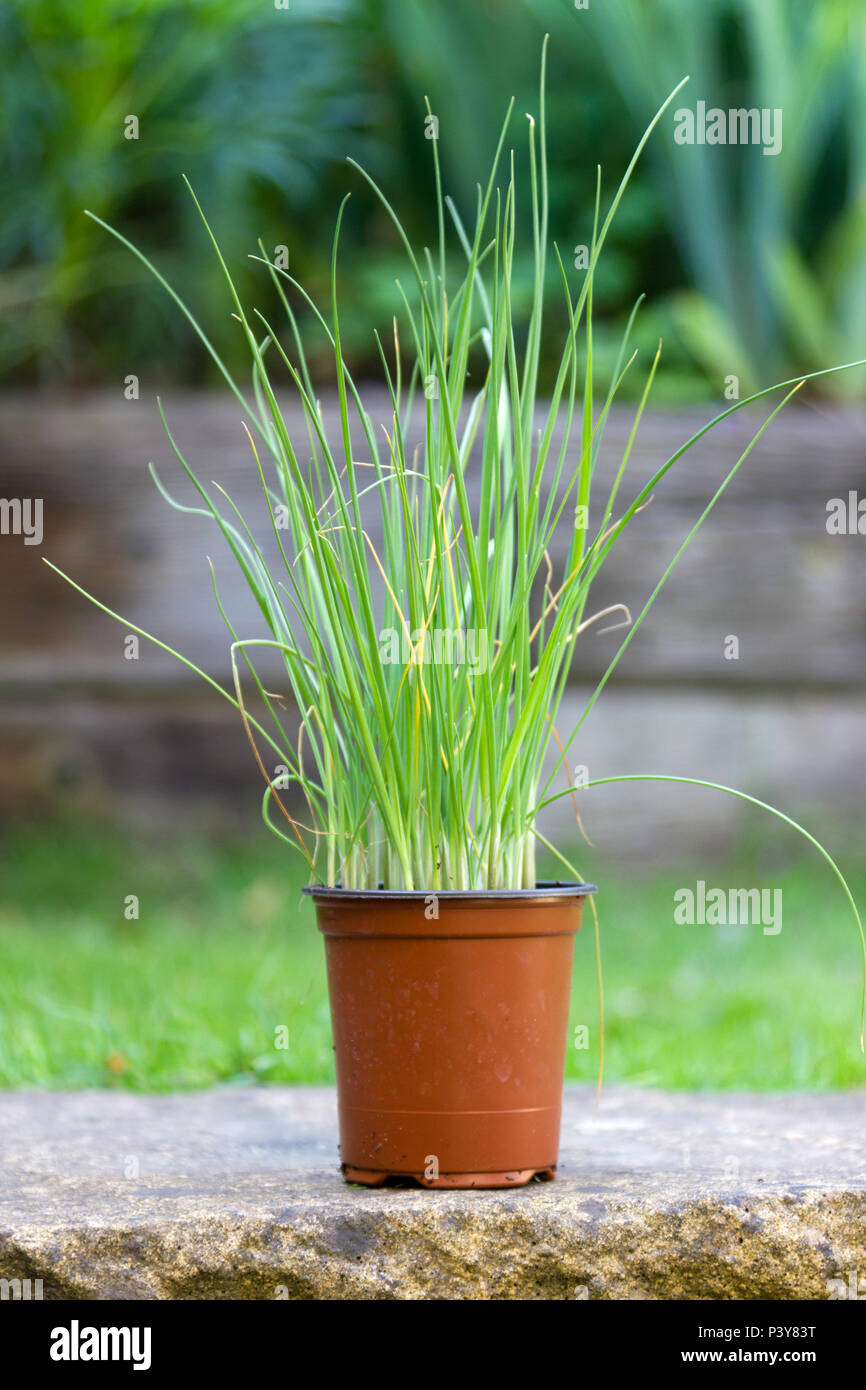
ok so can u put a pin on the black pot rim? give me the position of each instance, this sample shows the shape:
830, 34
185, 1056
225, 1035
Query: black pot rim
544, 888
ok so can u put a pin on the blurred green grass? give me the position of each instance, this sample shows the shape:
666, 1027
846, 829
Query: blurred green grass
225, 952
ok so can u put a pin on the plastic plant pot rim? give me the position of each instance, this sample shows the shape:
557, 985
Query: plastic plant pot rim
543, 890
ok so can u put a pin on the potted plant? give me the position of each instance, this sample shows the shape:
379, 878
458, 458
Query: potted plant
426, 642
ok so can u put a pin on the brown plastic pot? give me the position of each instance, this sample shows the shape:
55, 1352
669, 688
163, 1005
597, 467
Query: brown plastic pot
450, 1031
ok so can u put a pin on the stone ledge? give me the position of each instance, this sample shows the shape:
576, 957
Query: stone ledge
234, 1193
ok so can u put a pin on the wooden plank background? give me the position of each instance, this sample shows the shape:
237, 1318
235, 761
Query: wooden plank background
84, 728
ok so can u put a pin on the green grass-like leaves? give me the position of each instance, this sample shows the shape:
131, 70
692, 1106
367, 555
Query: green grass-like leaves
416, 772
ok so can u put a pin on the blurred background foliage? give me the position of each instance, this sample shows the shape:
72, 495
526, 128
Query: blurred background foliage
752, 265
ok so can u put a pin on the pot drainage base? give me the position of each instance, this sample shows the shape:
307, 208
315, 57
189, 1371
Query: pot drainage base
517, 1177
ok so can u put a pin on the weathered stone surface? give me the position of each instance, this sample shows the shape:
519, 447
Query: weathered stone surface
234, 1193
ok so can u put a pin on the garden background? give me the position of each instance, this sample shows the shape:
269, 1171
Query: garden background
121, 778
